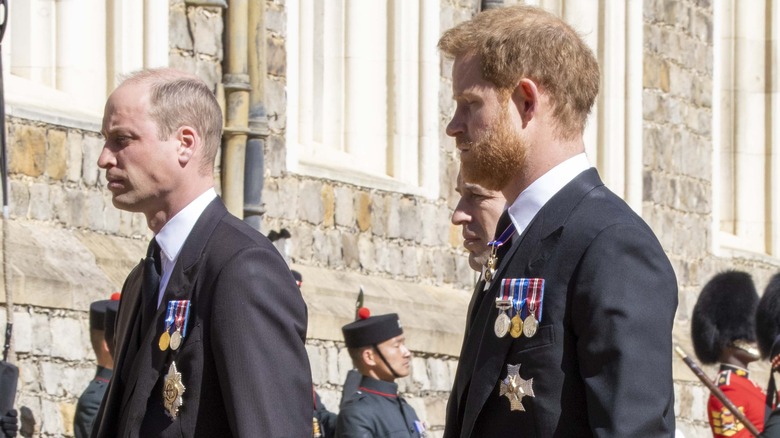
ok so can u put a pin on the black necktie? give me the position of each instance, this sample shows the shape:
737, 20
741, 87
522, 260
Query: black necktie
150, 286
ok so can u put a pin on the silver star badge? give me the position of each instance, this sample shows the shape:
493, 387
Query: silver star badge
515, 388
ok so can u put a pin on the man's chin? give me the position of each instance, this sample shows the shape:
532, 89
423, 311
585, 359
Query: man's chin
476, 262
122, 202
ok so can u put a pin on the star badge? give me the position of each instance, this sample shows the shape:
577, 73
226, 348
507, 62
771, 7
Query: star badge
515, 388
173, 389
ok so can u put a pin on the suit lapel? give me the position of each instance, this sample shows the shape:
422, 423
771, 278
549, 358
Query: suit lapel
150, 361
527, 256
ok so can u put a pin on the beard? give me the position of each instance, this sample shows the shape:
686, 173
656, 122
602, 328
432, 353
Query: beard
492, 161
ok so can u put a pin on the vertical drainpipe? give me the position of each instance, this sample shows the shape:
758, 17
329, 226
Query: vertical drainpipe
236, 84
491, 4
258, 122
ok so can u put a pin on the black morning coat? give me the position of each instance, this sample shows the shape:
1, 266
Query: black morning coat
243, 362
601, 360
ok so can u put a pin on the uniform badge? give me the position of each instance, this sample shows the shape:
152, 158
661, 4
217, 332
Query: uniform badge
173, 389
515, 388
421, 427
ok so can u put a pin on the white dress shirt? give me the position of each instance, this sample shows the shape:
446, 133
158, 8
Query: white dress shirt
173, 234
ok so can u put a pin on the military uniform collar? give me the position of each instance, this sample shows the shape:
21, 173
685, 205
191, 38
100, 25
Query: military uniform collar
734, 369
379, 387
103, 373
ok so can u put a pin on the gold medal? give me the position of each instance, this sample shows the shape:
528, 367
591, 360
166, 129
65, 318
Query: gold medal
176, 340
530, 325
490, 265
173, 390
165, 341
517, 326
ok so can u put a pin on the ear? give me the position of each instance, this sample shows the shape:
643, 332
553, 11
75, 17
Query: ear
188, 141
368, 357
525, 98
104, 347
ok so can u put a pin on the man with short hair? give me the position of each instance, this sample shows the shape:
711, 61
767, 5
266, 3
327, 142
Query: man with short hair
572, 332
211, 326
378, 350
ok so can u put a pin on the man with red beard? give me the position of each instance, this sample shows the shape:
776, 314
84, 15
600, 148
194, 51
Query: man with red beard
572, 332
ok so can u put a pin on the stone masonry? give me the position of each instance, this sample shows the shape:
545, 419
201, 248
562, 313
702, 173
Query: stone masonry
69, 246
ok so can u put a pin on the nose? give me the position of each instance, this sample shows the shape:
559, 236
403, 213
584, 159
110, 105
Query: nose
405, 351
106, 158
460, 216
455, 127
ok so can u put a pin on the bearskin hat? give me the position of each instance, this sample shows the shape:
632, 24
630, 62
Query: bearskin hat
724, 312
768, 317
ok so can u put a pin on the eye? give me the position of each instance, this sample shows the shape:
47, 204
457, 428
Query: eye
122, 140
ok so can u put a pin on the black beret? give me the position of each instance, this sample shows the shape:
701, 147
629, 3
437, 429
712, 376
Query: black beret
724, 313
297, 276
97, 313
372, 330
768, 318
109, 320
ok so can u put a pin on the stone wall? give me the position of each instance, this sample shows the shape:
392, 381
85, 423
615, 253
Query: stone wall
678, 174
70, 246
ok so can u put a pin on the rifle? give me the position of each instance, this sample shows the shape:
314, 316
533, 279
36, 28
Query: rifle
716, 391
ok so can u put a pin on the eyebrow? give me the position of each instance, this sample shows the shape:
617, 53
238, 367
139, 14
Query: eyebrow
475, 188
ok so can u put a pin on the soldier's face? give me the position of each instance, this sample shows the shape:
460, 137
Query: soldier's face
397, 355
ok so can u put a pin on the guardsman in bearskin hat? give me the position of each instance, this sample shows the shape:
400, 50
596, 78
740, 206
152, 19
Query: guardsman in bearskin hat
768, 336
377, 347
723, 331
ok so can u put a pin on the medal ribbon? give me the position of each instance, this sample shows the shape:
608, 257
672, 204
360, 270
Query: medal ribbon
182, 315
536, 290
169, 315
504, 294
503, 238
518, 300
513, 287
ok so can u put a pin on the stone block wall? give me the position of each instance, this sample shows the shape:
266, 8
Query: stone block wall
678, 175
71, 246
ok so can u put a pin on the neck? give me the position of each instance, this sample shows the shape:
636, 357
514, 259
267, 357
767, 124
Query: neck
106, 362
553, 154
157, 220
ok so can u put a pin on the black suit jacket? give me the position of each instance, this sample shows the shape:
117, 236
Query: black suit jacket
601, 360
243, 361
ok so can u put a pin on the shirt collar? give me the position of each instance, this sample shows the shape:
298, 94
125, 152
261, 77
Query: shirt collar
173, 234
533, 198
